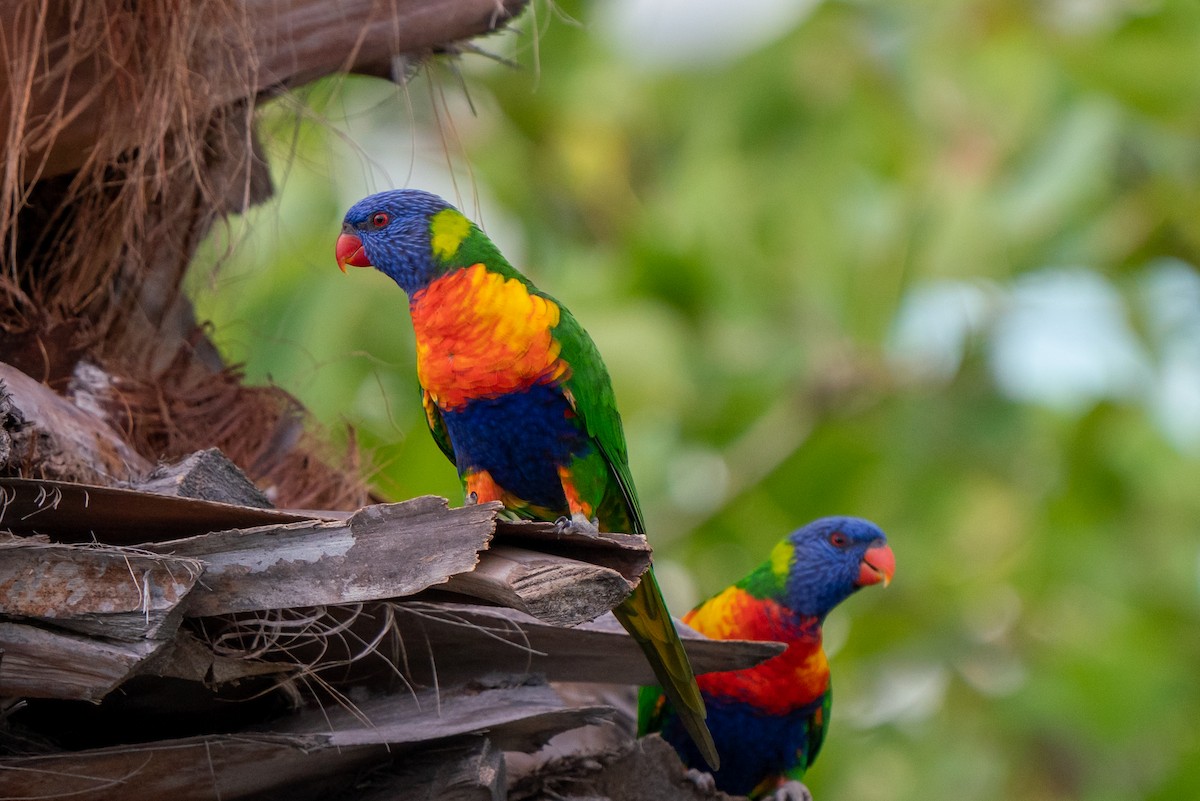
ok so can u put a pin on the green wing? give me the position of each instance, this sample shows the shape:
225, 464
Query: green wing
818, 724
651, 705
818, 727
437, 426
591, 394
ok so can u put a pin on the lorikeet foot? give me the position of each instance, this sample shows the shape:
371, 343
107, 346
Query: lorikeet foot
472, 499
703, 781
790, 791
577, 524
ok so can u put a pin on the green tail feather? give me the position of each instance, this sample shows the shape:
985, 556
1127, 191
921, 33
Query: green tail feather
644, 615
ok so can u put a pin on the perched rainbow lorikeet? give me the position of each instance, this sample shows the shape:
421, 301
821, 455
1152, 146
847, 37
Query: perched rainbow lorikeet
769, 721
516, 395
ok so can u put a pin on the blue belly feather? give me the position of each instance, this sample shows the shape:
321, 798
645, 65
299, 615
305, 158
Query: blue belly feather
753, 745
521, 439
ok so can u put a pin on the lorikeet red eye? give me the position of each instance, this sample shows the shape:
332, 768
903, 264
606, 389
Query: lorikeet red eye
838, 540
379, 219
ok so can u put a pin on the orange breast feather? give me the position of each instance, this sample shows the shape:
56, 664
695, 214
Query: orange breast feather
481, 335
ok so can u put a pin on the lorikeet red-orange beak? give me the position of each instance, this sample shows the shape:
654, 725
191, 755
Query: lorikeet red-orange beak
878, 564
350, 251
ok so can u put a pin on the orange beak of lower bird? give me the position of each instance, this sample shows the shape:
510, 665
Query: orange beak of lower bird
350, 251
878, 564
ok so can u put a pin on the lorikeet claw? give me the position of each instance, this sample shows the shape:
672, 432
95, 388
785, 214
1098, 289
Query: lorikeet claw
576, 524
790, 791
703, 781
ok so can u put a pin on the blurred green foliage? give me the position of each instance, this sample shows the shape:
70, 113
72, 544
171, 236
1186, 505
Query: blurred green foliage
926, 262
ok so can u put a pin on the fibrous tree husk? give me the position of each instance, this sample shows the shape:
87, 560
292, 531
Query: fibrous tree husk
127, 129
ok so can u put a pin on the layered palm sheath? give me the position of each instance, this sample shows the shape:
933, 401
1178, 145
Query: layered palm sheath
769, 721
517, 397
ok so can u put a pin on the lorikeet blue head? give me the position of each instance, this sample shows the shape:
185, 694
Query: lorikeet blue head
397, 232
823, 563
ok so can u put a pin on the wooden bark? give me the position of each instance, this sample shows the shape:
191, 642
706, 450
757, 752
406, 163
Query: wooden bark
38, 663
287, 44
650, 768
69, 512
627, 554
186, 657
472, 770
449, 642
515, 714
553, 589
107, 592
382, 551
60, 440
206, 475
379, 553
294, 753
395, 645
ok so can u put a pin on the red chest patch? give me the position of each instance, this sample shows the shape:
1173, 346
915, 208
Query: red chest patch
794, 679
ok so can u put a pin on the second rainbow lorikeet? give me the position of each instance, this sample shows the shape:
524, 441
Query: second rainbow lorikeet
516, 395
769, 721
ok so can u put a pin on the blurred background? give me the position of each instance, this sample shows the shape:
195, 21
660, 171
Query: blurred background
931, 263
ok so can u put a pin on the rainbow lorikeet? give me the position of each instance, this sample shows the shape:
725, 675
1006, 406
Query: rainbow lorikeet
516, 395
769, 721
